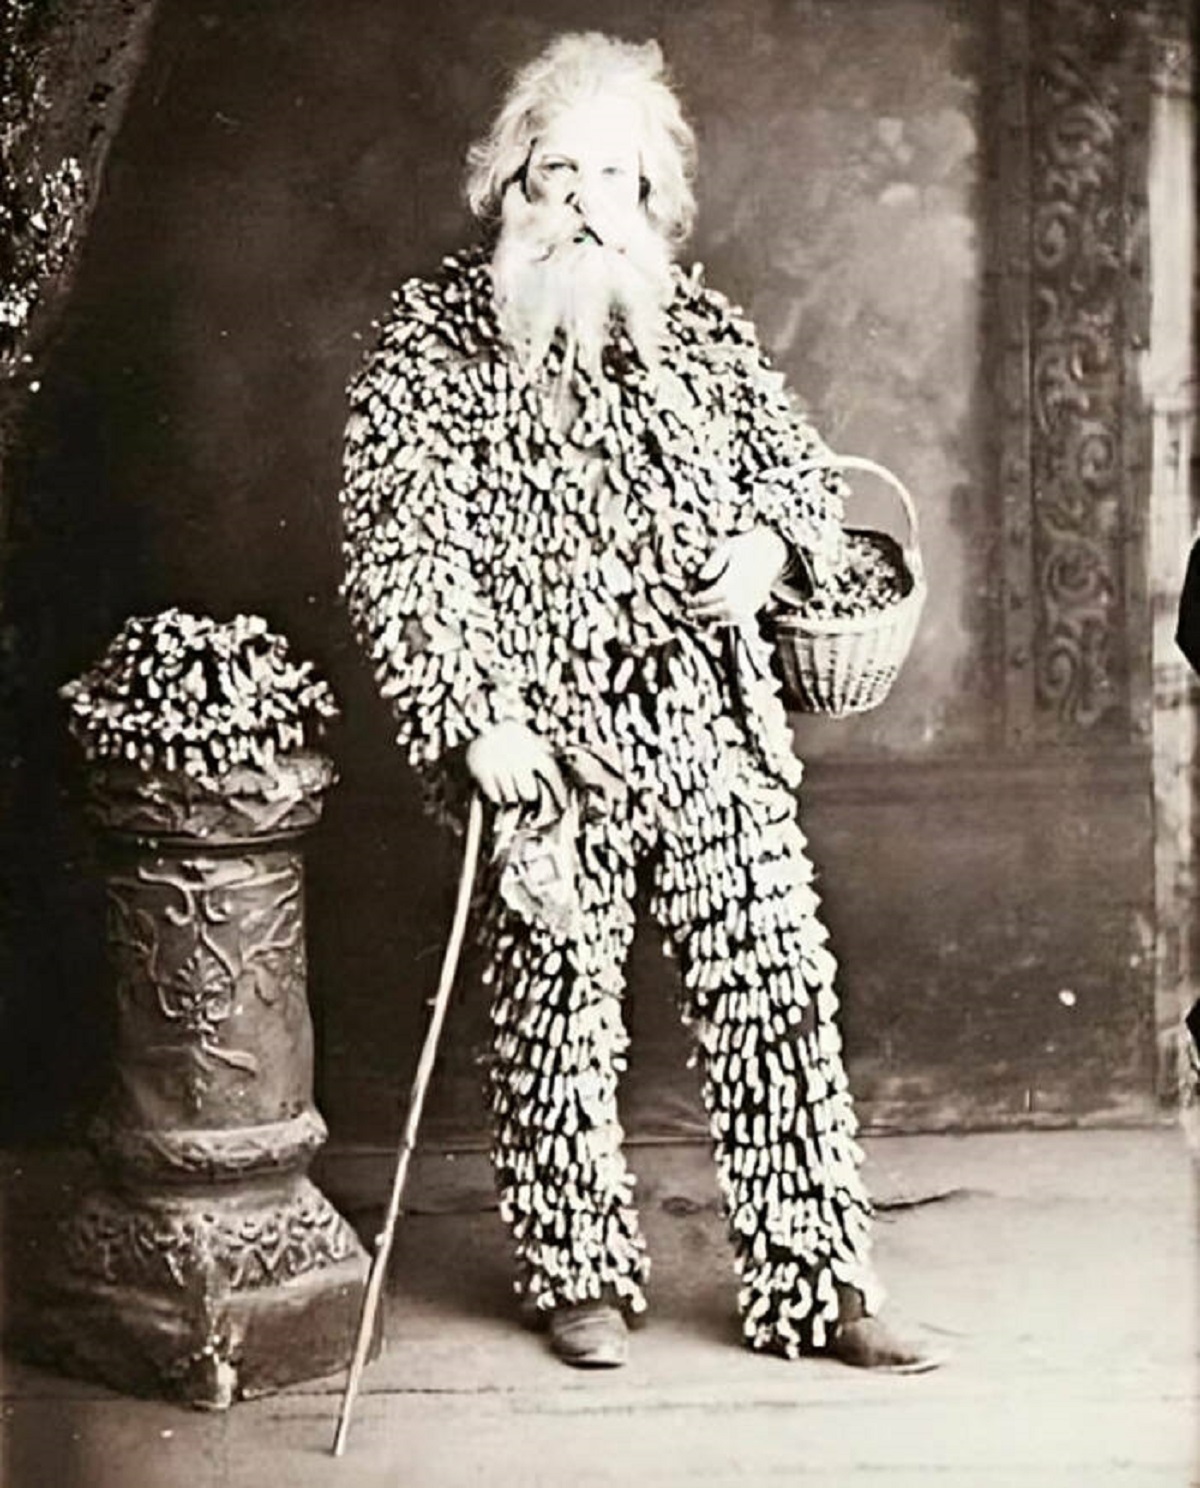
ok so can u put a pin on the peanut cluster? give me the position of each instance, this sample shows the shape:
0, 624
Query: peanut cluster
176, 691
870, 578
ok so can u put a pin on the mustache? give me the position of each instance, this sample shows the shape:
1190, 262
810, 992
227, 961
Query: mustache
587, 233
544, 228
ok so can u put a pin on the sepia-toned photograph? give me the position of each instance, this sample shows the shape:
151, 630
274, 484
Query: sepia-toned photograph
599, 744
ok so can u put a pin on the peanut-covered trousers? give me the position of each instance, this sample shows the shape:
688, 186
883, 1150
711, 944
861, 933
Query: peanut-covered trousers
731, 887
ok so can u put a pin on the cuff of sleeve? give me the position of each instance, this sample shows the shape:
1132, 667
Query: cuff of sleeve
805, 510
445, 720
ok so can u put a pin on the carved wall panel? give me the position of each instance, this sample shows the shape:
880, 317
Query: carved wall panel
1071, 236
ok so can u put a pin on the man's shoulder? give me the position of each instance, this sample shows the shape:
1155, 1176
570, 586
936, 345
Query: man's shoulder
708, 312
433, 319
454, 291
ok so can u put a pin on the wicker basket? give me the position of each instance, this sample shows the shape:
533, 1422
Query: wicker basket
847, 665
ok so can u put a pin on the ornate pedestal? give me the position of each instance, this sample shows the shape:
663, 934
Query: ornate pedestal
206, 1265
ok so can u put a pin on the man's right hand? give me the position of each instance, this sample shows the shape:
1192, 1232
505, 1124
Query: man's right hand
511, 764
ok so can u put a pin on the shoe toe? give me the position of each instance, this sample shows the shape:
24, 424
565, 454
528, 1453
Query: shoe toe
867, 1343
589, 1336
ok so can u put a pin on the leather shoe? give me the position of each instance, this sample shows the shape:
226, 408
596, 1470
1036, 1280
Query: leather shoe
866, 1343
589, 1335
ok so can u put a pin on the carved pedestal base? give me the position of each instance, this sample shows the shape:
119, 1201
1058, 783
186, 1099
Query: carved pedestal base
205, 1265
208, 1299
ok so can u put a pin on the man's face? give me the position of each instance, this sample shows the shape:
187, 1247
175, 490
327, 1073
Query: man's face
587, 159
576, 251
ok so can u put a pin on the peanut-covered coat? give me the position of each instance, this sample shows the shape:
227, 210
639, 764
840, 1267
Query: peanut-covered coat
518, 546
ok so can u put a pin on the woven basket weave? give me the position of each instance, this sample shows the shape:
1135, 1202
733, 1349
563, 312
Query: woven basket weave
847, 665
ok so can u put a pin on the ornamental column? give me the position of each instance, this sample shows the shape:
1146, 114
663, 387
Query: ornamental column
205, 1264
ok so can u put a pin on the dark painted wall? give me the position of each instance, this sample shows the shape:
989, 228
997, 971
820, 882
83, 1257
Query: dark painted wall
284, 164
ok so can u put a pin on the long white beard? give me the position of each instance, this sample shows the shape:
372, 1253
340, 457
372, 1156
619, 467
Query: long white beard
546, 280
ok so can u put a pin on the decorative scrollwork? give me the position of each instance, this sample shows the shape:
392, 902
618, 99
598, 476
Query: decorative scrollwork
1078, 257
1075, 665
164, 805
192, 937
169, 1247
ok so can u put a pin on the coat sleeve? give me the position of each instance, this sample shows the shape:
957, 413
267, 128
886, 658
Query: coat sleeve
785, 471
409, 586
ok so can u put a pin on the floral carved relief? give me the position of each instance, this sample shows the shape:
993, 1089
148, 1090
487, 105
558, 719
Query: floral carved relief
192, 939
171, 1247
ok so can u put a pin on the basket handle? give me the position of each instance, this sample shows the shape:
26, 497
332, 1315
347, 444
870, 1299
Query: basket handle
911, 547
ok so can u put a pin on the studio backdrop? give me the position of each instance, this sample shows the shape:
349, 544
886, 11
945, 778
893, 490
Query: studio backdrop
931, 210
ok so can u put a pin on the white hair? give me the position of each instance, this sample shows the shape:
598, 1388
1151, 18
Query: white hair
578, 66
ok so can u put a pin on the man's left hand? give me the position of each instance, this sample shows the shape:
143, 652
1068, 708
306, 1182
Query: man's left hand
736, 581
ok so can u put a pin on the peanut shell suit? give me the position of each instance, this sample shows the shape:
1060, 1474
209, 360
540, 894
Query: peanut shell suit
517, 546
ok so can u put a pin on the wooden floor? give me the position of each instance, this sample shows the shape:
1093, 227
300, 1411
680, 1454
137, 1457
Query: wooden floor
1059, 1268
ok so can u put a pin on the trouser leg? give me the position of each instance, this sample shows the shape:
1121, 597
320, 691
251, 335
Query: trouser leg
558, 1048
734, 891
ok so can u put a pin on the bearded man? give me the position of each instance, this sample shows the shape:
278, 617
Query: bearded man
571, 481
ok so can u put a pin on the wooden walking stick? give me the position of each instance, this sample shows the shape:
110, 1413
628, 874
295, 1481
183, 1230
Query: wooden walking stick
416, 1100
